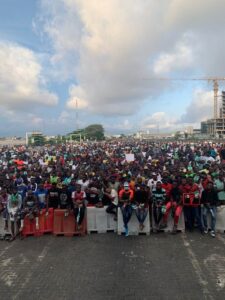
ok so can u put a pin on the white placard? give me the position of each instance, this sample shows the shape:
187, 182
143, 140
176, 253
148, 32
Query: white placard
129, 157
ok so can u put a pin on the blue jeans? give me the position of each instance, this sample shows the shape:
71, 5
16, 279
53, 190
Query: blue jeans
127, 213
212, 211
141, 214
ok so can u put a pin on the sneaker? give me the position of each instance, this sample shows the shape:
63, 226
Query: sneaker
212, 233
126, 231
206, 231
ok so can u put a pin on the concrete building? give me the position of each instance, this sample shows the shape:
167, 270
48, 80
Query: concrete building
216, 127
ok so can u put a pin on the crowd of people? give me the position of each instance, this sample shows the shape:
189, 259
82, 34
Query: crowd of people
144, 178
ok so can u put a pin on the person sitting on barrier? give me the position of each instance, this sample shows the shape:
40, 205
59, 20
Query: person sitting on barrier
78, 205
159, 201
126, 196
193, 212
30, 209
141, 199
174, 205
209, 201
4, 199
112, 195
14, 210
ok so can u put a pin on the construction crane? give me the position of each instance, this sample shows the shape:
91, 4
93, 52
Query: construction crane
209, 79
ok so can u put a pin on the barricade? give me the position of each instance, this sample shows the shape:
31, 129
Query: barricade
170, 224
46, 221
64, 224
99, 221
220, 219
29, 227
133, 224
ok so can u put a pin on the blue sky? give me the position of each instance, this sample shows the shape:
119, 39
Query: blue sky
106, 55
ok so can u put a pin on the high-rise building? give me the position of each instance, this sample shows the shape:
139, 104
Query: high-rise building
223, 104
216, 127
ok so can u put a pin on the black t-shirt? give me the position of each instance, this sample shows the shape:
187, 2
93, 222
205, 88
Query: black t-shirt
140, 196
64, 199
53, 200
106, 200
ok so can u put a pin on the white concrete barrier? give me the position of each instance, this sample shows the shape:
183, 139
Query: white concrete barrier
170, 223
98, 220
133, 224
220, 219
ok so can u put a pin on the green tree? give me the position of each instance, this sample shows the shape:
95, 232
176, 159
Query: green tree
91, 132
94, 132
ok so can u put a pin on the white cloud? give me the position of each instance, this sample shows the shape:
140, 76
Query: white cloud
21, 80
109, 47
76, 98
200, 107
181, 58
159, 121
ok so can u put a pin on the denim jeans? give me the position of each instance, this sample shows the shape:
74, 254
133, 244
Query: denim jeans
212, 211
141, 214
127, 213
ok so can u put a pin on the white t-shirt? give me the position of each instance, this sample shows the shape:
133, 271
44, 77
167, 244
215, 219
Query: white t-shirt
114, 195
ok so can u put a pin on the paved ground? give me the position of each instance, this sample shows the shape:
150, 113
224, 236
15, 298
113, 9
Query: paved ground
107, 266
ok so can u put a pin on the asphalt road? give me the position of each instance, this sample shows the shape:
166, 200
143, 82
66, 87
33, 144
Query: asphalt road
107, 266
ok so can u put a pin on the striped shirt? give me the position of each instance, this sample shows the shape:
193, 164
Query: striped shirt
159, 196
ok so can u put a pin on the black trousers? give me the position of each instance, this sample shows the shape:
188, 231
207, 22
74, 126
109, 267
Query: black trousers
79, 213
112, 209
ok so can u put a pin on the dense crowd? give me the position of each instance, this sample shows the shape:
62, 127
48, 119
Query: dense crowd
137, 177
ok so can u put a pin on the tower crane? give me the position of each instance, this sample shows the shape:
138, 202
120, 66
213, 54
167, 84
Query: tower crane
214, 80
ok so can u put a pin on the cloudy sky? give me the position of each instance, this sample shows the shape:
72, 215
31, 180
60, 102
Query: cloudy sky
106, 55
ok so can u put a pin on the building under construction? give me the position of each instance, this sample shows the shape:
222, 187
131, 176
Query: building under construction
215, 127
